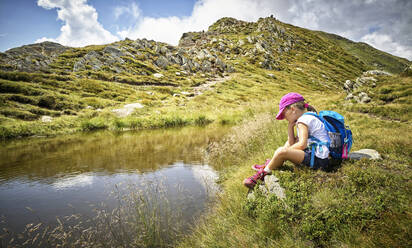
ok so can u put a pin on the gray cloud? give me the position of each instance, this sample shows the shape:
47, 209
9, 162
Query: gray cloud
384, 24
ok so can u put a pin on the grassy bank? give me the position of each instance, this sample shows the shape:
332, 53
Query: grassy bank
362, 204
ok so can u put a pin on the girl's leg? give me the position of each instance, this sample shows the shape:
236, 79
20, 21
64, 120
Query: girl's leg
284, 153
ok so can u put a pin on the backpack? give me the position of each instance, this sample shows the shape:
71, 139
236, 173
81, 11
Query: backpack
340, 136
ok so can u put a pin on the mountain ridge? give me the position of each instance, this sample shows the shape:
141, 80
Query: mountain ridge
251, 61
38, 56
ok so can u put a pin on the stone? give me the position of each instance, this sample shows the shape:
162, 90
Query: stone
158, 75
271, 75
364, 98
201, 55
349, 97
348, 85
113, 51
219, 63
260, 47
162, 62
46, 118
250, 39
377, 72
164, 50
206, 66
183, 59
271, 186
127, 109
185, 93
365, 153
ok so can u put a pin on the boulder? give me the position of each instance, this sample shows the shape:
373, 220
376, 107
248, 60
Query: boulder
127, 109
46, 118
348, 85
220, 65
158, 75
407, 72
377, 72
364, 98
365, 153
162, 62
270, 186
164, 50
206, 66
113, 51
259, 47
349, 97
250, 39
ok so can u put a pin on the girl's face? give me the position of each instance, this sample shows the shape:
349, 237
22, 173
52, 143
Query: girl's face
292, 114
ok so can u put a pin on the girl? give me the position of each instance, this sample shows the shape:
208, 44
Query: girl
292, 107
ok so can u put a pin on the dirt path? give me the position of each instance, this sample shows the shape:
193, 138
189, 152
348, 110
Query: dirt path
198, 90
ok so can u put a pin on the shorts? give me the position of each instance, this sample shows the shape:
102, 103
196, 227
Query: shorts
320, 163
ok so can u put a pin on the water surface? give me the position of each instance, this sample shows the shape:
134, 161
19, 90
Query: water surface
45, 178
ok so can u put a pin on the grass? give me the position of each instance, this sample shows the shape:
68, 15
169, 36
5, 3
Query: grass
143, 217
391, 99
69, 96
362, 204
352, 207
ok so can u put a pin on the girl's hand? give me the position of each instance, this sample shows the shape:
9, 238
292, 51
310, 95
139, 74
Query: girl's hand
292, 124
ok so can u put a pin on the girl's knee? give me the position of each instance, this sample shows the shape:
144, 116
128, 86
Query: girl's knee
281, 151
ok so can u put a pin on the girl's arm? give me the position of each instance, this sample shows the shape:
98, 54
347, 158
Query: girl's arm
291, 134
303, 137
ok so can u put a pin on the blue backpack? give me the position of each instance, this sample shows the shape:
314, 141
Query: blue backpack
340, 136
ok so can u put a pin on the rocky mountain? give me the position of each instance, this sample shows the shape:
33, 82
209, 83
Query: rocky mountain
209, 51
48, 79
30, 58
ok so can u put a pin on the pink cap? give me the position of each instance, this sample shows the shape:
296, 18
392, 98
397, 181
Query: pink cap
288, 99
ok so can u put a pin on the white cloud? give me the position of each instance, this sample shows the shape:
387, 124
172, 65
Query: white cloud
81, 26
132, 10
353, 19
385, 42
359, 20
204, 14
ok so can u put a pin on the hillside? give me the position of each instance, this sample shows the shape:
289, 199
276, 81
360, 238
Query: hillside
235, 73
47, 88
369, 55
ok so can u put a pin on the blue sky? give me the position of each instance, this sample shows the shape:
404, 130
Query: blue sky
384, 24
23, 21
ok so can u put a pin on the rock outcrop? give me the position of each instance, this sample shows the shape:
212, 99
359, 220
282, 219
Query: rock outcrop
366, 80
365, 153
30, 58
270, 186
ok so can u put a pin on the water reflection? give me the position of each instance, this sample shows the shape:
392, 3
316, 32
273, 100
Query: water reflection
60, 176
104, 152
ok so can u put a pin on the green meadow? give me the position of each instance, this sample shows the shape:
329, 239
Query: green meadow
360, 204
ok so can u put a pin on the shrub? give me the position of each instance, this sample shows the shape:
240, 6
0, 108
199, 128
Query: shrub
202, 120
47, 101
93, 124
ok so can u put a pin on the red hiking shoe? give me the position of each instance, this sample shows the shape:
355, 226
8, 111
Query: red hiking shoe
257, 167
252, 181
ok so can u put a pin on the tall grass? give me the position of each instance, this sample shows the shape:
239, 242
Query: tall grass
144, 217
361, 204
